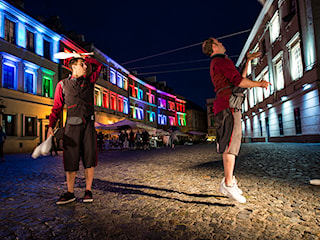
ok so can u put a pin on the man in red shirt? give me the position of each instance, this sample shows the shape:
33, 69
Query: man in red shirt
228, 83
80, 138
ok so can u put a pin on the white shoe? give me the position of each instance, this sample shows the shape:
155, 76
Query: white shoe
231, 192
235, 182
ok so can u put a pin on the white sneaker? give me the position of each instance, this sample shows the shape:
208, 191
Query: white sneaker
231, 192
235, 182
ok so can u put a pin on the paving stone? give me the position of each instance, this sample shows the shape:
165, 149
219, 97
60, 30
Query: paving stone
166, 194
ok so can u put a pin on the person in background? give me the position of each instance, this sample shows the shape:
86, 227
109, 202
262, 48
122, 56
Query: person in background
80, 137
3, 138
145, 140
131, 139
100, 140
228, 84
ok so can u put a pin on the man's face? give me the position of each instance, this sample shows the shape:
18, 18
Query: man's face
80, 69
218, 47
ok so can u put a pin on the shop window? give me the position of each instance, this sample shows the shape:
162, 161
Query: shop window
30, 126
280, 124
297, 120
9, 124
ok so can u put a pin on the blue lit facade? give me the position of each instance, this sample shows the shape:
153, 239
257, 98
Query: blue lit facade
286, 33
28, 76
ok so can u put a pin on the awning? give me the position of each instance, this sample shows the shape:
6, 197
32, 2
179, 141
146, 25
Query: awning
123, 124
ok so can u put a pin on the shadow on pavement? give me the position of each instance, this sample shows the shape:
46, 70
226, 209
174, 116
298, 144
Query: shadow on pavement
124, 188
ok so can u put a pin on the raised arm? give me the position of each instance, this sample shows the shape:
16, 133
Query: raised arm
96, 66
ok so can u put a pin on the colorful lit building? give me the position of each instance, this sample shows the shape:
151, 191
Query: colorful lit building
287, 34
143, 105
30, 73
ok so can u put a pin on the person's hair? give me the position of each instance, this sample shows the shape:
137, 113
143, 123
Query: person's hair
73, 61
207, 47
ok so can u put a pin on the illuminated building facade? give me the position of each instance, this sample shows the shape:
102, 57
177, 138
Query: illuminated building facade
287, 34
28, 77
30, 73
143, 101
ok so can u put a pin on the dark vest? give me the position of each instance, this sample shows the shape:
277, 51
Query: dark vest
78, 96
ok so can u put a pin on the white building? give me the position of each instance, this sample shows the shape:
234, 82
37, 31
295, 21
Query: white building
288, 35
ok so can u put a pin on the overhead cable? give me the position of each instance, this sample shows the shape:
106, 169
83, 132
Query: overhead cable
181, 48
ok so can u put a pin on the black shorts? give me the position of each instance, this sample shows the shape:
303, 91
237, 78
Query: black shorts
79, 141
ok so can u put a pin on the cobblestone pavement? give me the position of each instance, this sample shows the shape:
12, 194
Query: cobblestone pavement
166, 194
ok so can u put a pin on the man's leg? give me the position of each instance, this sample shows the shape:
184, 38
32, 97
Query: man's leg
71, 177
68, 196
228, 164
89, 172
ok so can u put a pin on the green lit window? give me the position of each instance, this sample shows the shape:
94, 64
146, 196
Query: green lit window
47, 87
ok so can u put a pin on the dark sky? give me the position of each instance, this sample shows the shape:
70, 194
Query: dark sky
131, 30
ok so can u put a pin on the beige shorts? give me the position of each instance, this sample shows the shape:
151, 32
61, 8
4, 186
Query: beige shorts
235, 139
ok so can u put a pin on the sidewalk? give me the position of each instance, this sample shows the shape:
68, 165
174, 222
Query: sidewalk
166, 194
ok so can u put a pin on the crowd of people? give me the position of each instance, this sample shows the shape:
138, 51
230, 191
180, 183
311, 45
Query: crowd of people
125, 139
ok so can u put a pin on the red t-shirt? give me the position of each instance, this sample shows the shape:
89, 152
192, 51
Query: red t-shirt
223, 74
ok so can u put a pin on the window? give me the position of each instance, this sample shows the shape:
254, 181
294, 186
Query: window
119, 80
46, 49
9, 31
8, 76
105, 100
30, 126
267, 127
30, 41
9, 124
251, 97
265, 76
125, 83
278, 71
297, 120
172, 121
140, 94
47, 87
97, 97
171, 105
113, 101
255, 49
162, 119
29, 82
125, 106
274, 27
113, 76
260, 126
162, 103
294, 49
152, 99
152, 116
104, 72
259, 90
280, 124
120, 103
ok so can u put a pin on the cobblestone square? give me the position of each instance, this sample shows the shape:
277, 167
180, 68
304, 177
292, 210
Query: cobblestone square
166, 194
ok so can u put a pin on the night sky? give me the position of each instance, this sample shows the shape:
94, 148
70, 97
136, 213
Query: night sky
128, 31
